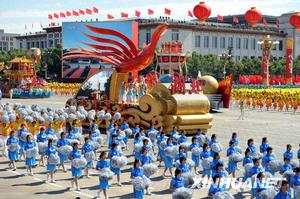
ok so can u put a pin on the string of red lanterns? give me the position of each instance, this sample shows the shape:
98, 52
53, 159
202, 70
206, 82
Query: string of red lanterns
295, 20
202, 11
253, 16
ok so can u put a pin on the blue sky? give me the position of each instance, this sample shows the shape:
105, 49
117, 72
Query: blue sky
14, 14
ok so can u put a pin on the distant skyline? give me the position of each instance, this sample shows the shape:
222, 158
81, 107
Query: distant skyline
15, 14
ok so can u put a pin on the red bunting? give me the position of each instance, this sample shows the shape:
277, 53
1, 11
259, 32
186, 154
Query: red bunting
137, 13
95, 10
88, 11
50, 17
68, 13
190, 14
265, 22
75, 13
81, 12
62, 14
110, 16
55, 15
150, 12
220, 18
235, 20
124, 15
277, 23
167, 11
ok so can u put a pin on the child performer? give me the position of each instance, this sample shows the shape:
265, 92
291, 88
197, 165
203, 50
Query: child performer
51, 168
12, 151
104, 162
76, 172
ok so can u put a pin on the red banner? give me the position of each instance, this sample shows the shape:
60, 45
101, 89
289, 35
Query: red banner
225, 87
289, 60
264, 65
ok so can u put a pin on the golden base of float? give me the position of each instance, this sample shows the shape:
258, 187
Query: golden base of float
162, 109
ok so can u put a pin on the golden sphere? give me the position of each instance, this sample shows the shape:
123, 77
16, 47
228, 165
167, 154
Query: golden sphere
209, 85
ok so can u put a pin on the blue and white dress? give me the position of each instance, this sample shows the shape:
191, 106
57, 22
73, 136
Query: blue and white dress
21, 142
295, 181
101, 164
204, 155
50, 131
288, 154
27, 146
160, 150
265, 162
145, 159
62, 142
195, 158
112, 153
182, 139
135, 130
137, 172
180, 155
51, 150
76, 172
263, 147
215, 188
231, 165
247, 160
42, 137
86, 148
184, 168
168, 160
177, 182
12, 155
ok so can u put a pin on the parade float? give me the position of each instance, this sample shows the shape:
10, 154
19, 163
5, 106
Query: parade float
22, 80
140, 99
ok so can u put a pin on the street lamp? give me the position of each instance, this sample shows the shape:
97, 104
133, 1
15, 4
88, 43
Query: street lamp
225, 56
267, 44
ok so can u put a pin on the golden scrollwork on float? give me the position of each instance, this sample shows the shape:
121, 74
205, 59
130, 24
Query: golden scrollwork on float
162, 109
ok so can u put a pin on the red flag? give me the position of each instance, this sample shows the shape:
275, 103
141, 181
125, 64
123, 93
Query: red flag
75, 13
110, 16
95, 10
124, 15
50, 16
235, 20
88, 11
62, 14
52, 23
167, 11
277, 23
220, 18
265, 22
55, 15
190, 14
68, 13
81, 12
137, 13
150, 12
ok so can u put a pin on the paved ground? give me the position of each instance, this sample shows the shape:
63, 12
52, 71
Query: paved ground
280, 128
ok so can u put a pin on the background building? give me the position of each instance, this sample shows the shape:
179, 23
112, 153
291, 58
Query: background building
7, 41
212, 37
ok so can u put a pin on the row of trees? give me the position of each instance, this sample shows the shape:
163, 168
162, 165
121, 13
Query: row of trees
212, 65
207, 64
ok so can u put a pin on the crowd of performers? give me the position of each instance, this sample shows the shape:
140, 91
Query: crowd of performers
48, 137
269, 99
64, 89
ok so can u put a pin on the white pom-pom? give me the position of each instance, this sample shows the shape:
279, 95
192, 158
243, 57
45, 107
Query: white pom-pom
188, 178
176, 138
216, 147
89, 156
12, 118
80, 108
52, 137
162, 145
79, 137
32, 153
80, 116
36, 115
238, 149
65, 150
13, 147
288, 175
5, 119
1, 143
150, 169
248, 167
24, 136
185, 145
152, 134
171, 151
294, 163
41, 120
72, 109
101, 114
42, 146
91, 116
99, 140
96, 145
105, 174
297, 191
141, 183
182, 193
117, 116
190, 162
118, 161
275, 165
72, 117
203, 139
222, 195
268, 174
49, 119
128, 132
206, 162
53, 159
79, 162
107, 117
138, 147
196, 151
256, 155
73, 141
269, 193
61, 118
236, 157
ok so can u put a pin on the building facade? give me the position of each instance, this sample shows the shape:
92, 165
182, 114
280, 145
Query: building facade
8, 41
212, 37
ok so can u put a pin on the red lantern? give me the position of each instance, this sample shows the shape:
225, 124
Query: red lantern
253, 16
202, 11
295, 20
